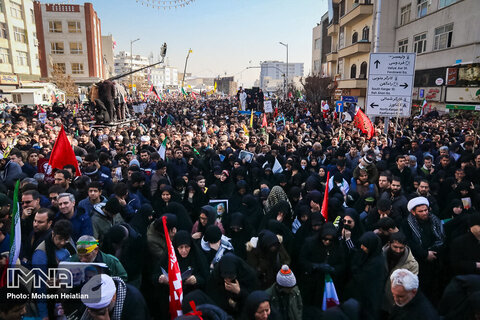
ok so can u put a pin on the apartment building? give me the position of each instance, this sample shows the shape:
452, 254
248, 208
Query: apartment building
19, 61
275, 71
444, 35
321, 46
69, 38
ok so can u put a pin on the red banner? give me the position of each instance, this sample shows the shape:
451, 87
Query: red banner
363, 123
174, 277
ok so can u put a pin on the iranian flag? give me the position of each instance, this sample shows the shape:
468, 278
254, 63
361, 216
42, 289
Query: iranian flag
424, 105
330, 297
15, 230
163, 148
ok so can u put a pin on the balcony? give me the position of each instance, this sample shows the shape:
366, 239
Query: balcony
356, 14
332, 57
332, 29
352, 84
356, 48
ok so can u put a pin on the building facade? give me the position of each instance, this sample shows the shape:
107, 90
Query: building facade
163, 77
440, 32
321, 46
108, 47
69, 38
444, 35
275, 72
19, 61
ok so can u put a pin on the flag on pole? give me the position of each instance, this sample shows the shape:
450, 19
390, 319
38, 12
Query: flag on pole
264, 121
325, 200
174, 276
245, 130
154, 91
330, 297
215, 87
62, 154
251, 119
163, 149
422, 108
184, 93
15, 229
363, 123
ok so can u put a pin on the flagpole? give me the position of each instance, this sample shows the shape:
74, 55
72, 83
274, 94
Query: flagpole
396, 121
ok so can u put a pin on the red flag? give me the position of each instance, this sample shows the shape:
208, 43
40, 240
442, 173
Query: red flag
264, 121
325, 200
275, 114
154, 91
174, 277
363, 123
62, 154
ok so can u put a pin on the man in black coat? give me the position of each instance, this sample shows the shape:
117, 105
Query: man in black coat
410, 303
465, 250
425, 236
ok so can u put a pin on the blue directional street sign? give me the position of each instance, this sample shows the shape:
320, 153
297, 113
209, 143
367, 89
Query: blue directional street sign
338, 106
351, 99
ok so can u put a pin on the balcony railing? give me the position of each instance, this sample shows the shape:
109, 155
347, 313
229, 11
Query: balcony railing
356, 14
356, 48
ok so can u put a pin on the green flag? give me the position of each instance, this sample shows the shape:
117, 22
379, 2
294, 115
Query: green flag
15, 229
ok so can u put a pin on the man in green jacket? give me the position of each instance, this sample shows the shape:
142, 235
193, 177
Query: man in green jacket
88, 251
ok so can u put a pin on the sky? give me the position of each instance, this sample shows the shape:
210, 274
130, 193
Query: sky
226, 36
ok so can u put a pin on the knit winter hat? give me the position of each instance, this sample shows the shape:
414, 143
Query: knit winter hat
286, 278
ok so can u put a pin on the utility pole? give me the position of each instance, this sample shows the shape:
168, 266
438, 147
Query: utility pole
286, 72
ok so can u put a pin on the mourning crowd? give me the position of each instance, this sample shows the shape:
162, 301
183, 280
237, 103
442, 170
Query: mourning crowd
256, 237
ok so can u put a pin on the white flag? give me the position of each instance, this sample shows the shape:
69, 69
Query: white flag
277, 168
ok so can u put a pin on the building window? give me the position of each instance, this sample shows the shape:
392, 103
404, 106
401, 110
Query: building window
444, 3
76, 48
365, 33
3, 31
443, 37
16, 10
422, 8
74, 27
403, 45
363, 70
4, 56
22, 58
19, 35
316, 65
353, 71
354, 37
55, 26
318, 43
420, 43
32, 16
17, 97
77, 68
341, 38
1, 5
57, 48
405, 13
59, 67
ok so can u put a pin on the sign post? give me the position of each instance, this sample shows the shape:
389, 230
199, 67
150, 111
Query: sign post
390, 84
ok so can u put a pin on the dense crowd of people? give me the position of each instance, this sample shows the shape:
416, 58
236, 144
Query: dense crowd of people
255, 236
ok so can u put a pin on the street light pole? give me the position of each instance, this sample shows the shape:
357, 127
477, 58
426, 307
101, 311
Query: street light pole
286, 72
131, 64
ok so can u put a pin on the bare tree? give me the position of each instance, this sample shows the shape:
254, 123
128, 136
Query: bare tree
317, 88
63, 81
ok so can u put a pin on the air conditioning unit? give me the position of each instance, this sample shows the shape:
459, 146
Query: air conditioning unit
35, 42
